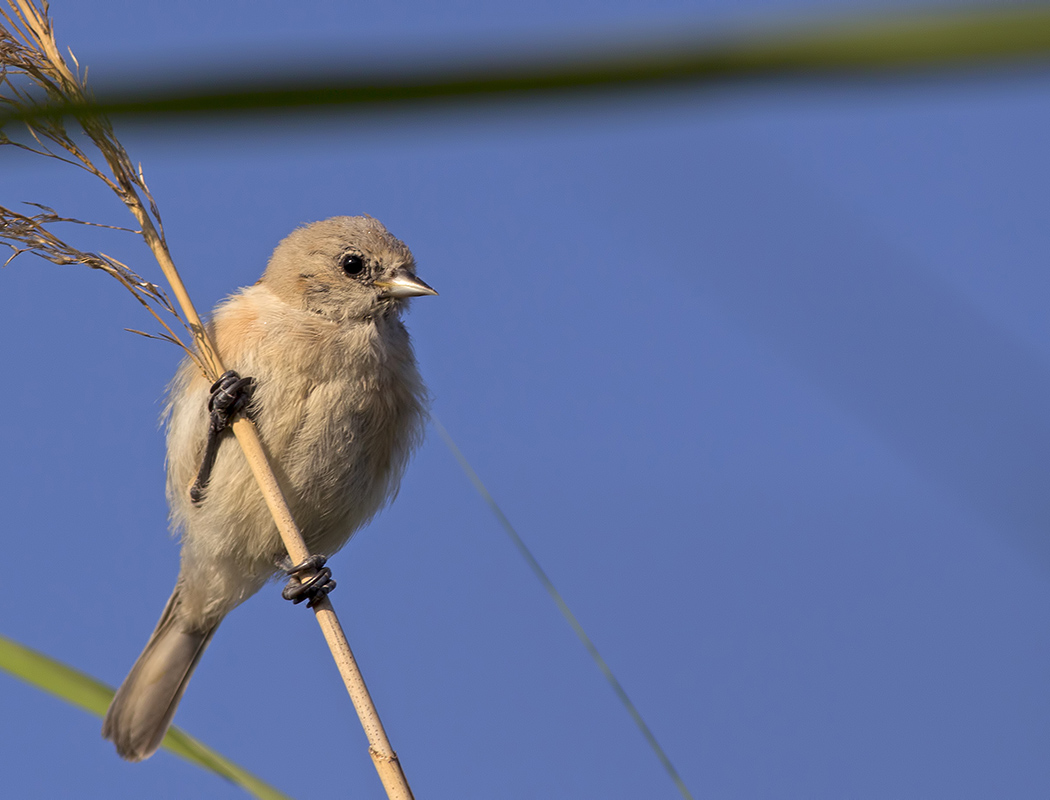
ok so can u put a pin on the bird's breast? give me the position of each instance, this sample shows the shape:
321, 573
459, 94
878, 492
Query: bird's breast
340, 430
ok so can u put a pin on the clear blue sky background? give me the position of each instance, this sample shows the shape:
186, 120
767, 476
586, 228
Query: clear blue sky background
762, 375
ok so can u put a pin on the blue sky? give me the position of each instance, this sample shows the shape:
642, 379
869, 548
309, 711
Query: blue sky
760, 373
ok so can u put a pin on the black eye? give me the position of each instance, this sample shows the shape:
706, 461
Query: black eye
353, 264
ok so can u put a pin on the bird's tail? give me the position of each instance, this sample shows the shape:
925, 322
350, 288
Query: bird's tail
144, 704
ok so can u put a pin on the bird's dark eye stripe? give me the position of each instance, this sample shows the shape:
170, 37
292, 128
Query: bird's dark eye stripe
353, 264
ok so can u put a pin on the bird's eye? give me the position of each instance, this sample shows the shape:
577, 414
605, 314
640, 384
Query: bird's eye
353, 264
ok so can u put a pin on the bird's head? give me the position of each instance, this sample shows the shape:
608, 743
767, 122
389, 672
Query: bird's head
344, 268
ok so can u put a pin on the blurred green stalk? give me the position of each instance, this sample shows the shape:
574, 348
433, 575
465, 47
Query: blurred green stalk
899, 45
83, 691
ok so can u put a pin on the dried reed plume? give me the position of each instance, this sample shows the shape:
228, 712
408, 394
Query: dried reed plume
29, 77
33, 74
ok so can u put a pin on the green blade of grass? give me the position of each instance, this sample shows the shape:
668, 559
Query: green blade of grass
83, 691
566, 612
887, 45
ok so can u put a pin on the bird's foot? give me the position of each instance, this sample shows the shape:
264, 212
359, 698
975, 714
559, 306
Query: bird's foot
313, 589
230, 395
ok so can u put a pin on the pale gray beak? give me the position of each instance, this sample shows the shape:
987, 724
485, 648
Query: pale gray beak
403, 285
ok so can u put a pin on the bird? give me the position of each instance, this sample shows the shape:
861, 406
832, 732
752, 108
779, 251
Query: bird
333, 386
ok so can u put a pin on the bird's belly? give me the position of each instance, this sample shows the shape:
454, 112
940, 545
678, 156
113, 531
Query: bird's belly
336, 464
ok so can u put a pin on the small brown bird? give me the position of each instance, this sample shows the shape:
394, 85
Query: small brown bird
339, 405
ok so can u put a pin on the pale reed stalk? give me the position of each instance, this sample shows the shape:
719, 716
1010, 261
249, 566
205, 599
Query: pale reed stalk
124, 182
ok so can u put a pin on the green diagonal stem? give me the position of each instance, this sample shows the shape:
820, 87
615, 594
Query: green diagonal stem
566, 612
83, 691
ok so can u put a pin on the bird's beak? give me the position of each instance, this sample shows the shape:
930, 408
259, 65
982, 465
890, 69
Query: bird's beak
404, 285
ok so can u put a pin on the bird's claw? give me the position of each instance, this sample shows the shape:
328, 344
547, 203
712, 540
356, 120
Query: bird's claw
230, 395
313, 589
